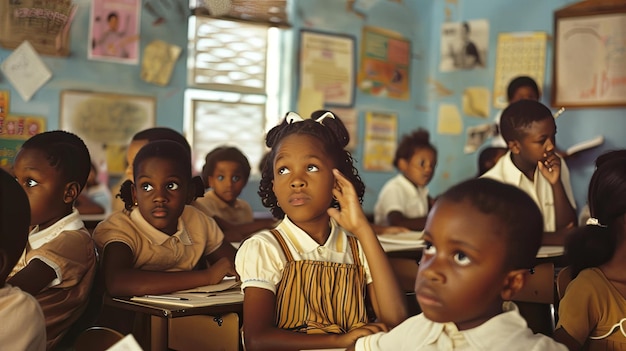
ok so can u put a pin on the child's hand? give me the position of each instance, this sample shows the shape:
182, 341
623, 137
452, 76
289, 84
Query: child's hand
351, 216
550, 167
350, 337
220, 269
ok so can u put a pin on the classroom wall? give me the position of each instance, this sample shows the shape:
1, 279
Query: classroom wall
418, 20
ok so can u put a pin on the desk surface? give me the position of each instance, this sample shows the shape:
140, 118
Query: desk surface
171, 312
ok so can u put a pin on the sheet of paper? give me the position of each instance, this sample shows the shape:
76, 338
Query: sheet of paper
309, 101
476, 102
225, 284
128, 343
158, 62
449, 120
477, 135
25, 70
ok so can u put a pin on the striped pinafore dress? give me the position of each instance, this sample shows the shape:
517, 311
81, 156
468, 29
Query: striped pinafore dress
321, 297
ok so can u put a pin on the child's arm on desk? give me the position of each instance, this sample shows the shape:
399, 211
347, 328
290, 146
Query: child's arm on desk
558, 237
386, 296
124, 280
397, 218
34, 277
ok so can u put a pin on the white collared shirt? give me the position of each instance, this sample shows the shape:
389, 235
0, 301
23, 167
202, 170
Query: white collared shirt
399, 194
539, 189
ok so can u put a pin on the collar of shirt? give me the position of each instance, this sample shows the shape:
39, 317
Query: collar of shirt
511, 174
303, 243
38, 238
156, 236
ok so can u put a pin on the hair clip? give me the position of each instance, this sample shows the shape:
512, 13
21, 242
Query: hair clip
293, 117
594, 221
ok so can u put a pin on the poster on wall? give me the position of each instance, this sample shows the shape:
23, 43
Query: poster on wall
327, 65
518, 54
114, 31
464, 45
379, 147
106, 123
14, 131
385, 64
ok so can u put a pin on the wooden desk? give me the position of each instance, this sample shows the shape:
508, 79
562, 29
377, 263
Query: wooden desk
160, 316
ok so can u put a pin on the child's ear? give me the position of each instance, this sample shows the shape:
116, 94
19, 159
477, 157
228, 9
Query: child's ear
514, 146
513, 283
403, 165
72, 190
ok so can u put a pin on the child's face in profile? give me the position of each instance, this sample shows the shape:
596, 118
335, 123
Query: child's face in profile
537, 142
303, 178
44, 186
462, 270
160, 190
420, 168
227, 181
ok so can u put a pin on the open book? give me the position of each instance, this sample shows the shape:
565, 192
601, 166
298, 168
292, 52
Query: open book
584, 145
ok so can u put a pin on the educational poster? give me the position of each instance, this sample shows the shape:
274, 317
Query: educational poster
597, 44
327, 65
464, 45
158, 62
14, 130
385, 64
449, 120
114, 31
381, 129
45, 24
518, 54
477, 135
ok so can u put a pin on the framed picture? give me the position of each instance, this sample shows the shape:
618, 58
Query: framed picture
106, 123
327, 65
589, 55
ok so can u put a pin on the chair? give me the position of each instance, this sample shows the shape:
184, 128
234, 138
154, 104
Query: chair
97, 339
562, 280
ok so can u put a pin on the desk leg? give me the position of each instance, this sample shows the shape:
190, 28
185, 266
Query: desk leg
158, 333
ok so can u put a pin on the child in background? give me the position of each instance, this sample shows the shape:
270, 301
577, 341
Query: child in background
592, 311
304, 282
226, 173
481, 239
95, 198
533, 165
23, 323
520, 88
488, 158
58, 264
404, 200
140, 139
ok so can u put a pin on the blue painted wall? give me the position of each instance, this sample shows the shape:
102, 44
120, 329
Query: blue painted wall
418, 20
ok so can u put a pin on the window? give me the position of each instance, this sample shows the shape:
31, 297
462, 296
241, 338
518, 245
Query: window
234, 71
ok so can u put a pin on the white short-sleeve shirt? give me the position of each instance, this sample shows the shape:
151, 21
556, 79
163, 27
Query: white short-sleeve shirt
260, 260
399, 194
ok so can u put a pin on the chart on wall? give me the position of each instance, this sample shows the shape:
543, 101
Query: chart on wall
590, 60
518, 54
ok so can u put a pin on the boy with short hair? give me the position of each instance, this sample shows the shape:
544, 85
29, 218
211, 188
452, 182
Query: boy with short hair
226, 172
58, 264
481, 239
23, 325
533, 165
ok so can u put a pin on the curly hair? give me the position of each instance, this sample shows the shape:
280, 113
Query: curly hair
416, 140
334, 137
521, 114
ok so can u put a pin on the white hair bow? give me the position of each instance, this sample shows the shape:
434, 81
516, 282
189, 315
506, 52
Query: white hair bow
293, 117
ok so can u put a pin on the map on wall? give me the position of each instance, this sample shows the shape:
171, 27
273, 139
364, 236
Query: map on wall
590, 61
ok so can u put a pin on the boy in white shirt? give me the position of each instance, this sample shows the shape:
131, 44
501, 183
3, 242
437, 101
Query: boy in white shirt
481, 239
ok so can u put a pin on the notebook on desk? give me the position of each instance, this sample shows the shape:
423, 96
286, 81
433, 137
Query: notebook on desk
227, 291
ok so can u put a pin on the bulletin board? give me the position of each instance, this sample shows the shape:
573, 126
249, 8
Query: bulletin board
590, 54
